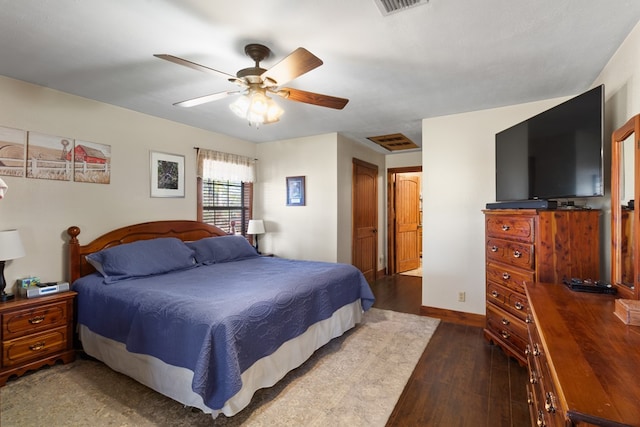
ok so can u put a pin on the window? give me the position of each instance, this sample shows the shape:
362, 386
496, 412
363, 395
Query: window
225, 190
227, 205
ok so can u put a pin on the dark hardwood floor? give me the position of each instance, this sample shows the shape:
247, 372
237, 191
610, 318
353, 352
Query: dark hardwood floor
461, 379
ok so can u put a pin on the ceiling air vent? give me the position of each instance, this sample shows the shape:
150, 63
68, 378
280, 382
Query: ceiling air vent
387, 7
393, 142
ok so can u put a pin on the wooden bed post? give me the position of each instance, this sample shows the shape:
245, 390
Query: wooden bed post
74, 254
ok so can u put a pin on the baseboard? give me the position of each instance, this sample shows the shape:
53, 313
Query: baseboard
452, 316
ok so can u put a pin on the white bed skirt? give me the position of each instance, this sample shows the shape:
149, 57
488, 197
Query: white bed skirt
175, 382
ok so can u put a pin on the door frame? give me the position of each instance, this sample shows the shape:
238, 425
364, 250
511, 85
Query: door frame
391, 215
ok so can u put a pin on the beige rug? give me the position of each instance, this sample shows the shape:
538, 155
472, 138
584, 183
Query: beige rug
355, 380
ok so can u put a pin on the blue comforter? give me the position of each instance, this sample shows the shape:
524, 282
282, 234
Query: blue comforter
217, 320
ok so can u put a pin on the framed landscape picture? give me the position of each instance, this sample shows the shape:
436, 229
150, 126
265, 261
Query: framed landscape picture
167, 175
295, 191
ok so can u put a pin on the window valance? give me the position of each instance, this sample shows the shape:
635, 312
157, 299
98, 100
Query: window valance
218, 166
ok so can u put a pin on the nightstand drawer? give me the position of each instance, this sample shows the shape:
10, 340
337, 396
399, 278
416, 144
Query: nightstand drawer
34, 346
29, 320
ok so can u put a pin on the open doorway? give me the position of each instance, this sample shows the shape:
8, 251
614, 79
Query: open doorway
404, 220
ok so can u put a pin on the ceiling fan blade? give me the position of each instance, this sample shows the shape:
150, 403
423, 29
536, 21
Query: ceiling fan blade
193, 65
204, 99
312, 98
298, 62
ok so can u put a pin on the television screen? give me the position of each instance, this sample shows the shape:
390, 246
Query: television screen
556, 154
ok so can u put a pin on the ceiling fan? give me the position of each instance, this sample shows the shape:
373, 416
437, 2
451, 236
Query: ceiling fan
256, 83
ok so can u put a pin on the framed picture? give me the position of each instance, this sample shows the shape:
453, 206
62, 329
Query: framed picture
295, 191
167, 175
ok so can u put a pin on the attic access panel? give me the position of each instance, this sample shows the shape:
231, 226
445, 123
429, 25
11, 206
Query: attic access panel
393, 142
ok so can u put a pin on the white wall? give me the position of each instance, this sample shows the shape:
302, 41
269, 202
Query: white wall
400, 160
321, 230
299, 232
458, 179
347, 151
42, 210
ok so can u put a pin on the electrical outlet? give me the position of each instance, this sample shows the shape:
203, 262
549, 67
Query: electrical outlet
461, 296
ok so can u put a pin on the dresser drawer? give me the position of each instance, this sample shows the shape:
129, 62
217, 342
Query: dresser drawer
44, 317
545, 397
32, 347
509, 300
506, 275
514, 253
510, 227
511, 330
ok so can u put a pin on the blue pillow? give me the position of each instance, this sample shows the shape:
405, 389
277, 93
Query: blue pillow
213, 250
142, 258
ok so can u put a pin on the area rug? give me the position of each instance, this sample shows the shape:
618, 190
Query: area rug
355, 380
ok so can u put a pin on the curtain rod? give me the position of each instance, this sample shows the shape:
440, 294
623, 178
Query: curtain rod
197, 148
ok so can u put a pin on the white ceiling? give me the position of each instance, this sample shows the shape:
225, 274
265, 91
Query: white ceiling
443, 57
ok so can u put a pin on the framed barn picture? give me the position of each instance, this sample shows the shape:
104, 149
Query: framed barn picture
92, 162
167, 175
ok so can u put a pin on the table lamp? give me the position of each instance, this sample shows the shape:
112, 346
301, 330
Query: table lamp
10, 248
255, 227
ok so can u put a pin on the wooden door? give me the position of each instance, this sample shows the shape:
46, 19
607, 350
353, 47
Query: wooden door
407, 201
365, 218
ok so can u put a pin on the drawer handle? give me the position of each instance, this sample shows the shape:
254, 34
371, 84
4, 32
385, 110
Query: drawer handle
517, 254
536, 350
505, 334
527, 350
495, 294
528, 319
494, 248
548, 403
505, 227
36, 320
532, 378
505, 322
518, 305
37, 346
540, 421
506, 276
529, 398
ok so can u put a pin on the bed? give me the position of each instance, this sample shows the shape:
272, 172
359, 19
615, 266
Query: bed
199, 316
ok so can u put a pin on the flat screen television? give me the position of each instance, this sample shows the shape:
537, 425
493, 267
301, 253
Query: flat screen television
556, 154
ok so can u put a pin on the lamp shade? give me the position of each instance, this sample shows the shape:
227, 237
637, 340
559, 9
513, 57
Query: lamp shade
256, 226
10, 245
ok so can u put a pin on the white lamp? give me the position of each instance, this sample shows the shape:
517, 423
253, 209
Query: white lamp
10, 248
255, 227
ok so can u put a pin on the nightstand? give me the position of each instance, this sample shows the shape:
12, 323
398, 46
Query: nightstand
35, 332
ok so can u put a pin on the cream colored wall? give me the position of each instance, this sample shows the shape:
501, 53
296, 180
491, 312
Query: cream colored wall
400, 160
42, 210
458, 179
299, 232
347, 151
453, 244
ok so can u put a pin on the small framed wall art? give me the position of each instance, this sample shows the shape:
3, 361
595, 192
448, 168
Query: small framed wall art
295, 191
167, 175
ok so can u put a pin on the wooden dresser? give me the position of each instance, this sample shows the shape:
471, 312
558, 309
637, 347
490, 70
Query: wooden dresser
584, 362
527, 245
35, 332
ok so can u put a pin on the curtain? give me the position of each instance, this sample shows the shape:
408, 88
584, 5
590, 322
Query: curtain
217, 166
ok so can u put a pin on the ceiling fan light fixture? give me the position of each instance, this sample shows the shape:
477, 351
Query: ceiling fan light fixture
257, 108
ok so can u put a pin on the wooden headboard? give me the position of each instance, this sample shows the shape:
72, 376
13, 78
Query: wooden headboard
182, 229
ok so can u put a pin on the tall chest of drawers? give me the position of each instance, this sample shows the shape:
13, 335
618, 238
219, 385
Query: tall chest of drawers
528, 245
